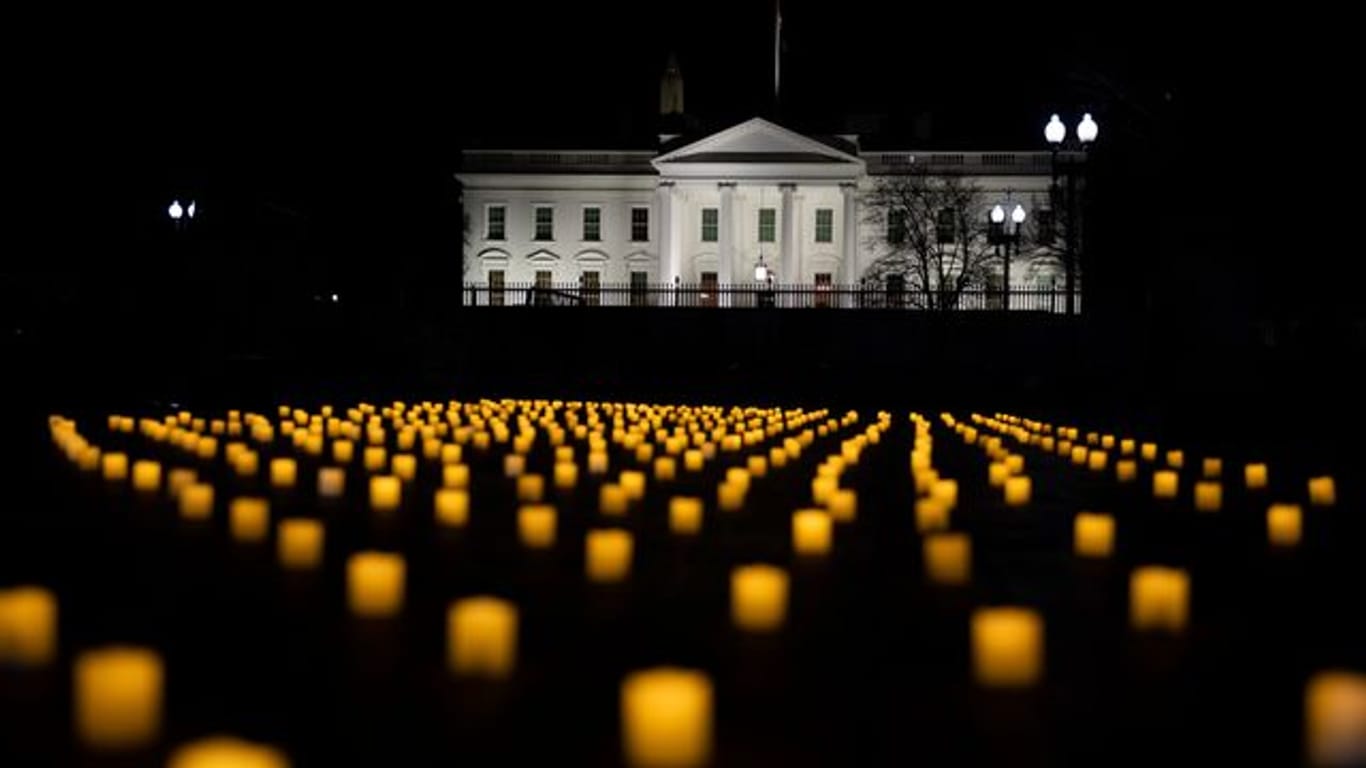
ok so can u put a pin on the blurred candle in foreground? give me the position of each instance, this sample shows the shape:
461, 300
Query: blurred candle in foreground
117, 697
566, 475
633, 482
1093, 535
331, 482
1209, 496
404, 466
1165, 483
693, 460
1335, 718
146, 476
536, 526
226, 752
931, 515
948, 558
455, 475
607, 555
685, 515
343, 451
997, 472
114, 466
1095, 461
179, 479
374, 584
758, 597
283, 472
299, 543
28, 626
1159, 598
1126, 470
1148, 451
249, 518
1175, 459
1255, 476
196, 501
666, 718
1212, 467
452, 506
1322, 491
811, 532
1284, 523
530, 487
1007, 647
386, 491
1018, 491
666, 468
613, 499
730, 496
945, 491
481, 637
844, 505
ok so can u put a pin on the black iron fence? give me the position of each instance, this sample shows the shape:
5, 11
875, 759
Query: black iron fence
752, 295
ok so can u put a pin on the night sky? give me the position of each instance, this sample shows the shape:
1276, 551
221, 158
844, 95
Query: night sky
330, 135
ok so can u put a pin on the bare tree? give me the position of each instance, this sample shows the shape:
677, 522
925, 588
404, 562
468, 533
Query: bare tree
934, 237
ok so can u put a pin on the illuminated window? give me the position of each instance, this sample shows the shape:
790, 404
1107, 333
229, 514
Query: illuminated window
545, 222
768, 225
640, 225
592, 224
542, 291
710, 225
496, 287
589, 283
495, 222
825, 225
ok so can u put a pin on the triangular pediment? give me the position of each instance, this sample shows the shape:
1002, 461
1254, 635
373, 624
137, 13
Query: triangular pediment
756, 141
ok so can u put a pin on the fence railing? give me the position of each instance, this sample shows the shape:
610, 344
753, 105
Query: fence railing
757, 295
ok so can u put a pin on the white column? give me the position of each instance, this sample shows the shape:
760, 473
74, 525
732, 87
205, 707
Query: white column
670, 265
788, 254
726, 234
852, 269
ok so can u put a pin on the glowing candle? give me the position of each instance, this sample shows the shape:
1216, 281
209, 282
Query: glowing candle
536, 526
1093, 535
178, 479
1079, 454
455, 476
758, 597
693, 460
757, 466
738, 476
196, 501
249, 518
146, 476
685, 515
997, 472
1212, 467
633, 482
1126, 470
373, 459
386, 492
375, 584
481, 637
822, 488
283, 472
117, 697
1007, 647
1322, 491
28, 626
666, 718
226, 752
114, 466
931, 514
730, 496
844, 505
777, 457
451, 453
1095, 461
1175, 459
597, 462
1335, 718
645, 452
343, 451
1126, 447
607, 555
1014, 464
1148, 451
1165, 484
1255, 476
530, 487
1159, 598
1284, 524
514, 464
613, 499
299, 543
404, 466
811, 532
948, 558
666, 468
331, 482
1209, 496
452, 506
1018, 491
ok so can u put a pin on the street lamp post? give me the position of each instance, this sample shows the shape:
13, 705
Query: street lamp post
1056, 134
1017, 218
1011, 240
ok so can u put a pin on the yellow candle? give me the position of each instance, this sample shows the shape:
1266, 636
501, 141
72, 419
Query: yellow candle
1209, 496
386, 492
844, 505
1212, 467
1148, 451
1255, 476
730, 496
114, 466
693, 460
146, 476
451, 453
685, 515
738, 476
822, 488
196, 502
607, 555
481, 637
452, 506
1165, 483
1335, 718
666, 468
1093, 535
597, 462
530, 487
931, 514
666, 718
1284, 524
117, 697
343, 451
1126, 447
566, 475
513, 464
455, 475
777, 457
758, 597
645, 452
1126, 470
945, 491
226, 752
757, 466
1014, 464
633, 482
373, 458
613, 499
299, 543
178, 480
1159, 598
331, 482
997, 472
249, 518
374, 584
283, 472
811, 532
1018, 491
1175, 459
1322, 491
1079, 454
536, 526
948, 558
1095, 461
1007, 647
28, 626
404, 466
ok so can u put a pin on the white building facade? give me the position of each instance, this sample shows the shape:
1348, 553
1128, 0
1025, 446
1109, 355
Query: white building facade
706, 213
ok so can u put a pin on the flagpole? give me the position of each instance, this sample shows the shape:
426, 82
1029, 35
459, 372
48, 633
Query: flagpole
777, 48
